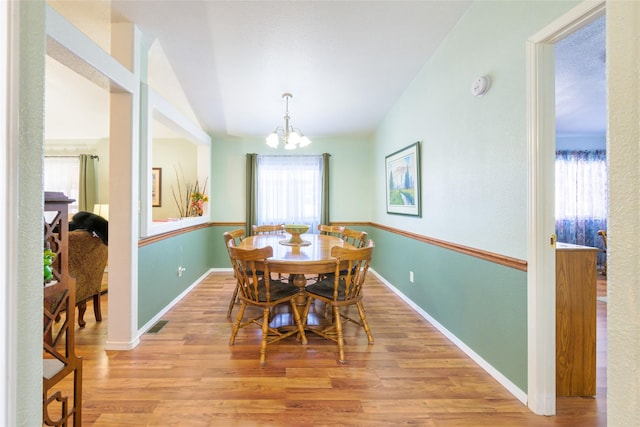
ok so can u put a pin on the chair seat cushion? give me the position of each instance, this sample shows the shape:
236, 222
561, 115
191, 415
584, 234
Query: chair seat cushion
324, 288
279, 290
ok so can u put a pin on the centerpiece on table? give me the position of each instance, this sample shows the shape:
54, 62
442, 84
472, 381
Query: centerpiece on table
295, 230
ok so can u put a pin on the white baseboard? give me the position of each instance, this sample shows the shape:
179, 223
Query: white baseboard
504, 381
123, 345
169, 306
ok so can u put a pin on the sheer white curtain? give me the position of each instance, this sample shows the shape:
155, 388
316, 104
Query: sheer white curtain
289, 190
63, 174
581, 198
581, 185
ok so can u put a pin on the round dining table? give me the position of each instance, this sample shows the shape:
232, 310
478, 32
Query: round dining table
314, 258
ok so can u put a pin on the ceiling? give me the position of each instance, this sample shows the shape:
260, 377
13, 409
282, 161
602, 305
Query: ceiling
581, 90
345, 62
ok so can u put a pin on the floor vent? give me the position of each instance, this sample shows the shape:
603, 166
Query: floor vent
157, 327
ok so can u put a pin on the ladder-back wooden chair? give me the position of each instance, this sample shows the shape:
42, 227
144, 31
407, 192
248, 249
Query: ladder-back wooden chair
236, 236
355, 238
331, 230
268, 229
343, 289
256, 288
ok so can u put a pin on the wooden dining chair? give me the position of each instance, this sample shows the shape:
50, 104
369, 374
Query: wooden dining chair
331, 230
256, 288
236, 237
328, 230
343, 289
268, 229
355, 238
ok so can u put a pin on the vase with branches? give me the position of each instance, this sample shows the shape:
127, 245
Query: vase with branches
189, 198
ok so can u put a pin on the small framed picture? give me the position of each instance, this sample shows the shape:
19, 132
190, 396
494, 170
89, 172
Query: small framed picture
403, 181
156, 187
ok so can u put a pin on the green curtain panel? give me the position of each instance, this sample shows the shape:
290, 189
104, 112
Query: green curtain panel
324, 213
251, 193
88, 181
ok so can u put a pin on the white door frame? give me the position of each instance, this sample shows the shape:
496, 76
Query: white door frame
541, 268
9, 53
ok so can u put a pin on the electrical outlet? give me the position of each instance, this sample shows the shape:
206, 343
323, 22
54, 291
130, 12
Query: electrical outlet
411, 276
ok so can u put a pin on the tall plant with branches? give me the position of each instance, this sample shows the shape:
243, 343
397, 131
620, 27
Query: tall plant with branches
189, 198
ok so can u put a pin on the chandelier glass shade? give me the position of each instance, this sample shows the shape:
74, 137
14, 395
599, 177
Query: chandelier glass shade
288, 135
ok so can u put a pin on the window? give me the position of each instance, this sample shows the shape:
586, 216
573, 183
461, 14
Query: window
581, 198
289, 190
63, 174
581, 185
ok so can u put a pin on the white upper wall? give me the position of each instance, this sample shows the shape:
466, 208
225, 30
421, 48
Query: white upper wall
77, 108
474, 150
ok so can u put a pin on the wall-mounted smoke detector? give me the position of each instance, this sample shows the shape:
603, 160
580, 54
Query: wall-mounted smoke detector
480, 86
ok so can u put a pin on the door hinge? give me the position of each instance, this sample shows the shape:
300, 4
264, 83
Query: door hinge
552, 240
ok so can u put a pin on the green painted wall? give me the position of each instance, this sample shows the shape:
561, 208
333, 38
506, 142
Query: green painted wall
219, 256
474, 181
158, 281
482, 303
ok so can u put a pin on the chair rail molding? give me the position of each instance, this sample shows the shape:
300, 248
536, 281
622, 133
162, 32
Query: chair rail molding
507, 261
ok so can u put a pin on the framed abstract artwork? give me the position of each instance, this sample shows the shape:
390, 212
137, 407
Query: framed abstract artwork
156, 187
403, 181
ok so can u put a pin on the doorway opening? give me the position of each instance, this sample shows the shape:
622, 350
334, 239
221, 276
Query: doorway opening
541, 247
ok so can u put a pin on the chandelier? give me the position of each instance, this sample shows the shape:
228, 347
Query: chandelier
291, 137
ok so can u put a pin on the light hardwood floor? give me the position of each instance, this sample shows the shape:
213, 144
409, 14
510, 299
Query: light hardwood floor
187, 375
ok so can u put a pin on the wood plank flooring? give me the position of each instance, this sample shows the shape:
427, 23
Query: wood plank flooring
188, 375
